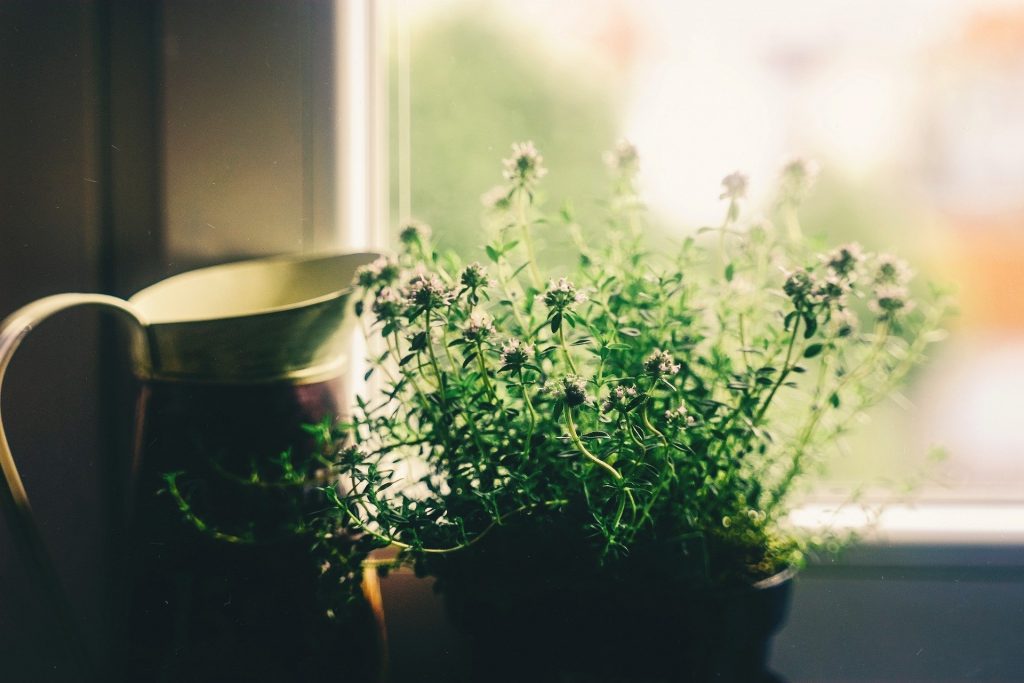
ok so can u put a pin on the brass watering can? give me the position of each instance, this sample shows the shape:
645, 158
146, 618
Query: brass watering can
231, 360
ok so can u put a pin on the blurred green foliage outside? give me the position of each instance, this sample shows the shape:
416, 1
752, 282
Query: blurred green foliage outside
474, 90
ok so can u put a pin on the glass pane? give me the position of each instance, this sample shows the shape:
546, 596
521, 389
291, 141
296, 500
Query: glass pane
915, 111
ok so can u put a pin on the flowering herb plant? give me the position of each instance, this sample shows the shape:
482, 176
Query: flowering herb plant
654, 411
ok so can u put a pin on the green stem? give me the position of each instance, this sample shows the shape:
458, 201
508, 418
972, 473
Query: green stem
483, 372
666, 481
510, 296
447, 350
565, 347
186, 510
524, 226
817, 412
783, 374
444, 394
792, 222
532, 414
397, 353
441, 551
629, 431
571, 426
743, 344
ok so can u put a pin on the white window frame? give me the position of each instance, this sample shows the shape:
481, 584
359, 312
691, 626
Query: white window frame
361, 132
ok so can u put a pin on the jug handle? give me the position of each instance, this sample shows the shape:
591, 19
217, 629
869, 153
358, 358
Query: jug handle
13, 498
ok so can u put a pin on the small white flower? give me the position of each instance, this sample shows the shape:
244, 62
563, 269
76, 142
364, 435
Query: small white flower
619, 398
661, 363
525, 166
734, 186
890, 270
515, 353
844, 261
800, 286
479, 327
832, 290
799, 177
623, 157
388, 304
845, 321
496, 197
426, 290
382, 271
562, 294
414, 232
680, 417
474, 276
888, 300
571, 388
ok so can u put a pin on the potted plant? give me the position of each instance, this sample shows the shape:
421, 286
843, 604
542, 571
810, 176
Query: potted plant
597, 468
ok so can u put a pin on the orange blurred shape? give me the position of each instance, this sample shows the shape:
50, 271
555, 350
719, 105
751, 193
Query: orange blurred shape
987, 260
998, 34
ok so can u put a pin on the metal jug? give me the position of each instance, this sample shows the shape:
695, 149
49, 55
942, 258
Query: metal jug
232, 360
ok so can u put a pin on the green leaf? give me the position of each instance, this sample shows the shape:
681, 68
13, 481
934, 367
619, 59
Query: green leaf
418, 341
730, 270
811, 326
566, 211
556, 322
813, 350
492, 253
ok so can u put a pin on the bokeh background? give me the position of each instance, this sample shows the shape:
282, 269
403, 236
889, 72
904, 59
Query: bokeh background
914, 110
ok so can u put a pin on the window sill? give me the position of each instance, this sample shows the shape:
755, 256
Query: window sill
921, 524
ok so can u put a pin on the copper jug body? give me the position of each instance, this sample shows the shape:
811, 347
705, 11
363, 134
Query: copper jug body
231, 362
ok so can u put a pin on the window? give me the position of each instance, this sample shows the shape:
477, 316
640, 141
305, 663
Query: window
915, 112
913, 109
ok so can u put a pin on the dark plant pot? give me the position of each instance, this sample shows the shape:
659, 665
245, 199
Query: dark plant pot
620, 633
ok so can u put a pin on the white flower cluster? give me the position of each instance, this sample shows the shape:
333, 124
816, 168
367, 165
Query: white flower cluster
414, 232
427, 291
890, 296
389, 304
525, 166
571, 388
474, 276
515, 353
496, 197
845, 261
798, 177
479, 327
734, 186
382, 271
623, 157
562, 294
619, 398
661, 363
680, 417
